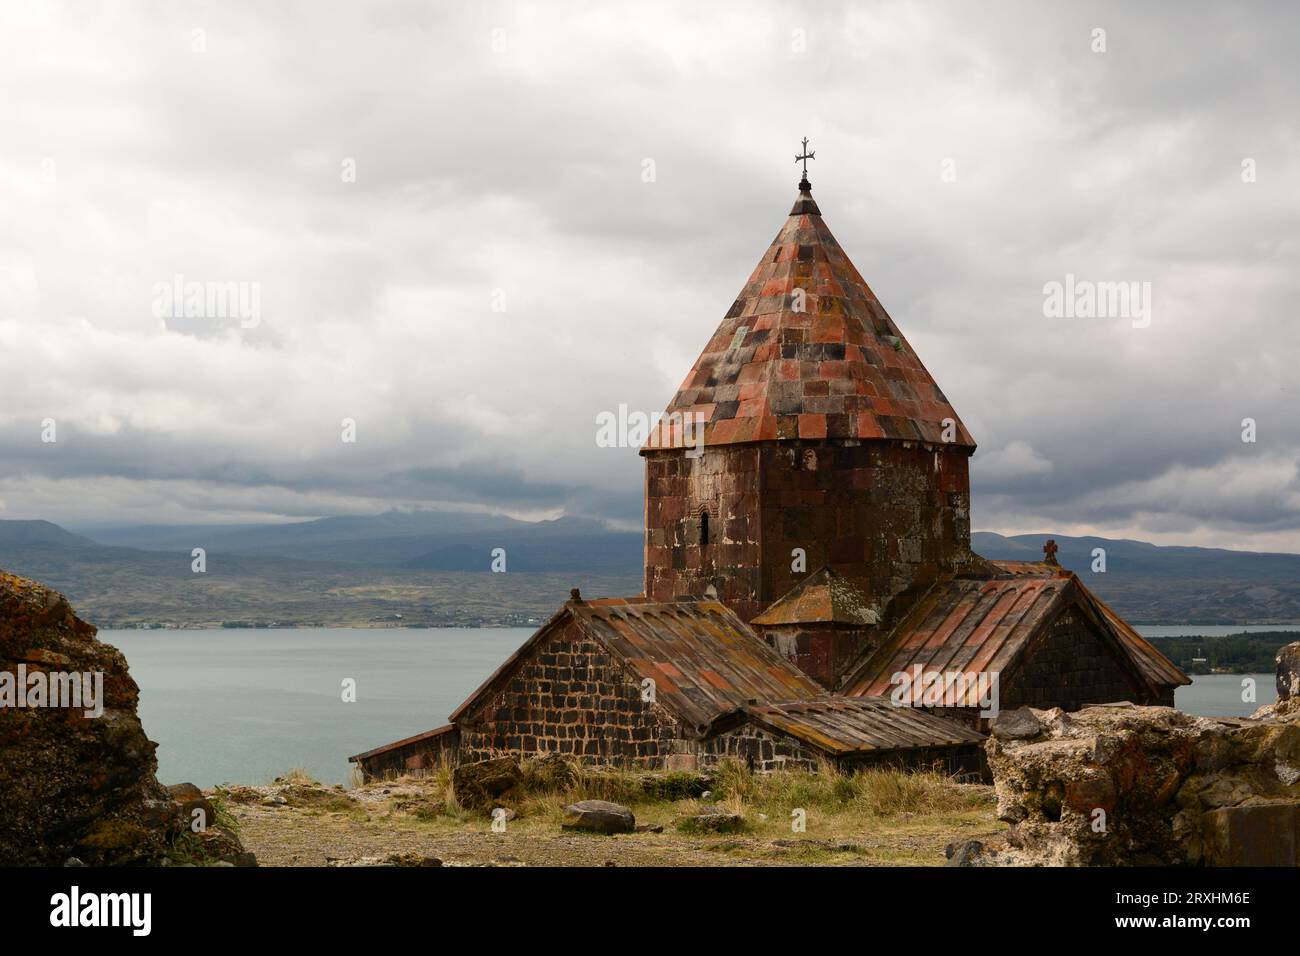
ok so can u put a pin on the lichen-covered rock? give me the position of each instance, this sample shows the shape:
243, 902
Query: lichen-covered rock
1288, 672
599, 816
1121, 784
77, 781
713, 820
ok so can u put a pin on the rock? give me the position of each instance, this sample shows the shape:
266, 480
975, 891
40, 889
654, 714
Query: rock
74, 785
220, 844
184, 791
1288, 672
599, 816
1016, 724
478, 784
1265, 833
713, 820
411, 859
505, 813
1129, 785
649, 828
73, 861
275, 800
192, 807
973, 853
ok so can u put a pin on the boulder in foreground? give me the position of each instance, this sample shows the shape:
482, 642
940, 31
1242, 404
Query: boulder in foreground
599, 816
77, 776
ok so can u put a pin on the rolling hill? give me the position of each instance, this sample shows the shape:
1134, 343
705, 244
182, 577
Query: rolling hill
432, 568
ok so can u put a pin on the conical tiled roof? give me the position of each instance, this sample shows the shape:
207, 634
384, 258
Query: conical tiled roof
836, 368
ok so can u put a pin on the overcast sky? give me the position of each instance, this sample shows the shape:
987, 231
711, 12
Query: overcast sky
500, 270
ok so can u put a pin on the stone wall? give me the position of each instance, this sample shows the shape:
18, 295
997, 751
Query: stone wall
724, 482
758, 749
821, 650
1130, 785
572, 698
1069, 666
890, 516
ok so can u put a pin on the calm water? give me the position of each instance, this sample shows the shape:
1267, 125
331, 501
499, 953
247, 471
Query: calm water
242, 706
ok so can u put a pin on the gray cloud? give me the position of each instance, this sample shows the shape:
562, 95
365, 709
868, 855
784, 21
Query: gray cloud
129, 158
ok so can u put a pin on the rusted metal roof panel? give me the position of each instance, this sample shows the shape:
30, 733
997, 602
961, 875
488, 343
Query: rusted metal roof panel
428, 735
822, 597
703, 659
808, 351
839, 726
1039, 569
1155, 668
971, 625
978, 625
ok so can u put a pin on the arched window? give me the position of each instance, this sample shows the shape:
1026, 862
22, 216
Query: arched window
704, 528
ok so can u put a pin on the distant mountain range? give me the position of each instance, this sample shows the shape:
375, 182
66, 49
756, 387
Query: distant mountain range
437, 541
1156, 584
431, 568
415, 569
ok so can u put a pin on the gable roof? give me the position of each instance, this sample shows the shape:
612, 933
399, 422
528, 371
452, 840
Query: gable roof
836, 368
976, 625
822, 597
840, 726
706, 664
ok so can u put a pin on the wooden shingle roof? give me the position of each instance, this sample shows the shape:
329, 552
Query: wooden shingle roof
808, 351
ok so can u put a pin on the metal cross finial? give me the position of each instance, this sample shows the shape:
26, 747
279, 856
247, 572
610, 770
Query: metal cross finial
804, 159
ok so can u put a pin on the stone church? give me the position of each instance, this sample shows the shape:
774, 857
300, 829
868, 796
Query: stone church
811, 598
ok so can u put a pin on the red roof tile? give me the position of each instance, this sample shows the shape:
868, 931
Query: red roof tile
843, 334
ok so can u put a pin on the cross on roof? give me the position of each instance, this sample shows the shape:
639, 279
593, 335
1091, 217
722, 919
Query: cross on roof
1049, 550
803, 158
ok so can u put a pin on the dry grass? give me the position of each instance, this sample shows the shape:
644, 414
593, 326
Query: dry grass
869, 793
834, 805
297, 777
881, 817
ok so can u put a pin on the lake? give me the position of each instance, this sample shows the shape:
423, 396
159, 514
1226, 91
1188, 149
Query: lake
243, 706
